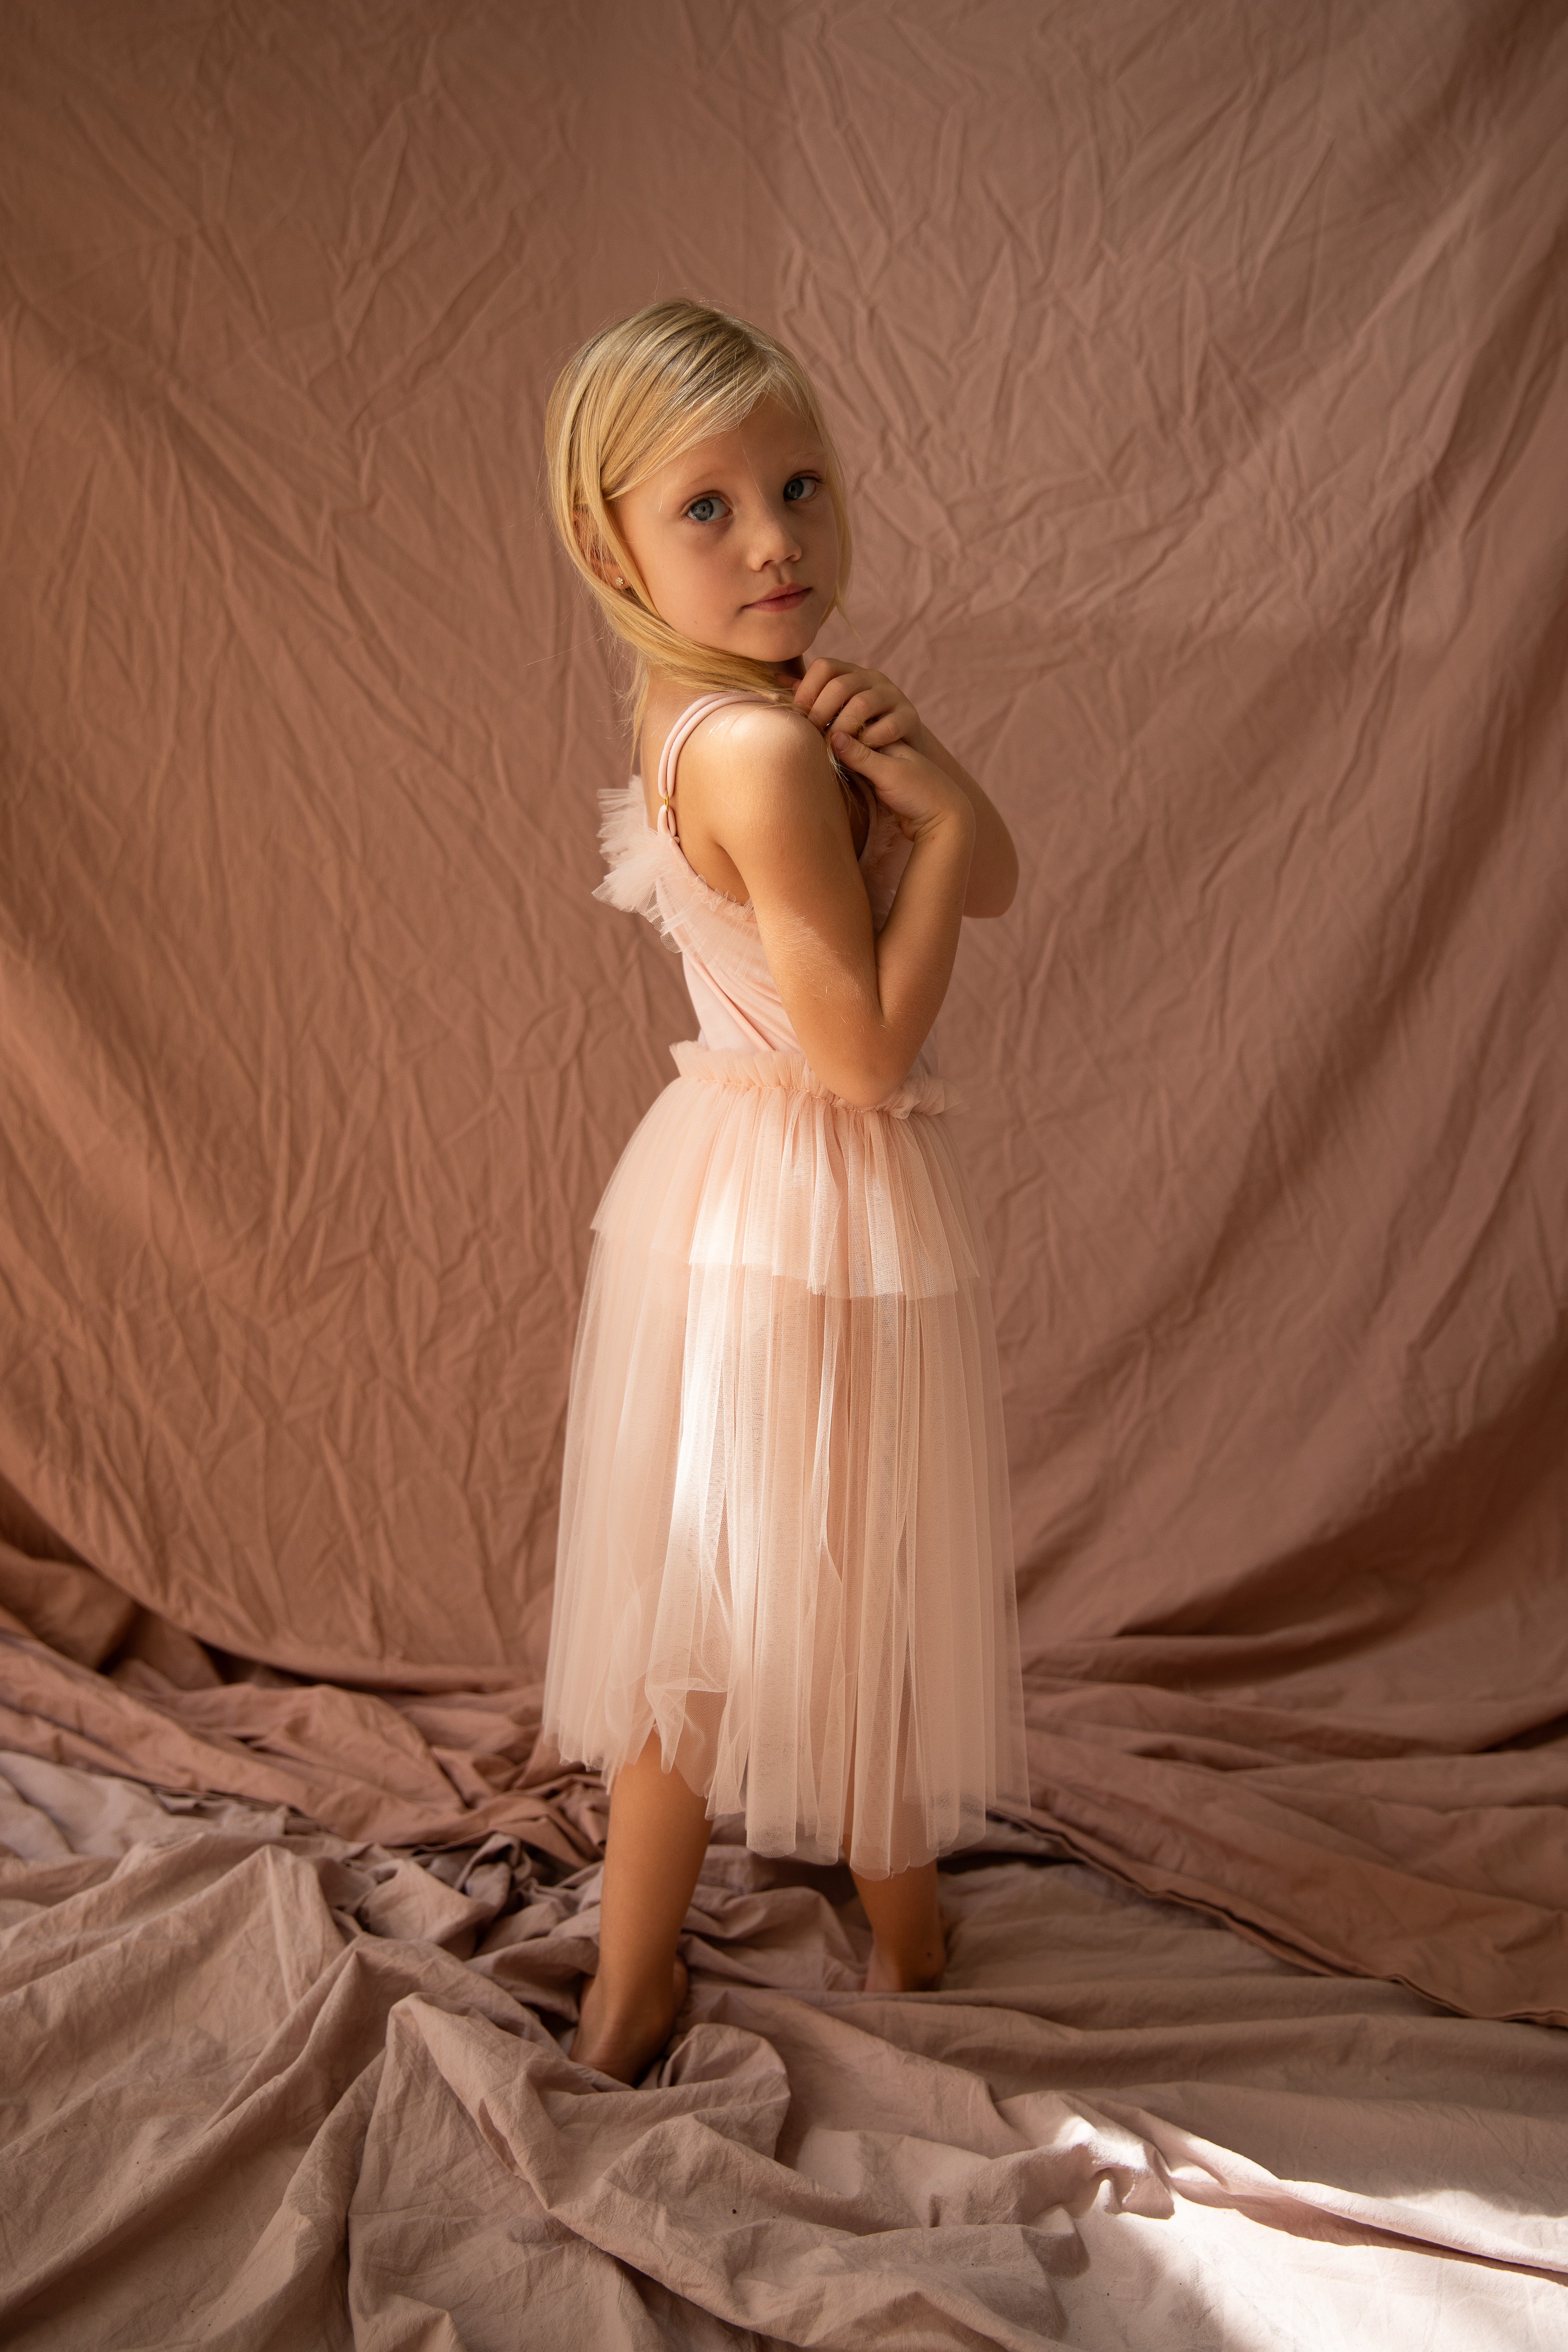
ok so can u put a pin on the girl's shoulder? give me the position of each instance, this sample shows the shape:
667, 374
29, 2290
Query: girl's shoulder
740, 722
759, 747
752, 723
761, 768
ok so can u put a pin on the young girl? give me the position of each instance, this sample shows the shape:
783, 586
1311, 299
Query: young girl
784, 1582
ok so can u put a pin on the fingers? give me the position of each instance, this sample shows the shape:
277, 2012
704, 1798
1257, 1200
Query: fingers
856, 753
828, 684
858, 711
817, 677
860, 703
858, 708
846, 688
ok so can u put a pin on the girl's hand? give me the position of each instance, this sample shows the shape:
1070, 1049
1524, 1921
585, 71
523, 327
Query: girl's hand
921, 795
858, 702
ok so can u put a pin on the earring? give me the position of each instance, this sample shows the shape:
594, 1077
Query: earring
620, 582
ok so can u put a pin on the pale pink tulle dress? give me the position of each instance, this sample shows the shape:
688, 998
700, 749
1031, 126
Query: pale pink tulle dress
785, 1535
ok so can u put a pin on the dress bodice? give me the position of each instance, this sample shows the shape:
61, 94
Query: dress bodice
719, 940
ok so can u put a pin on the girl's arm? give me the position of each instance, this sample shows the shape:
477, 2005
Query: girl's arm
865, 704
861, 1003
994, 872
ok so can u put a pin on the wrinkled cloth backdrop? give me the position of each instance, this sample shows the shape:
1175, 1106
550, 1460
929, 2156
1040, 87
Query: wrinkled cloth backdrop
1199, 373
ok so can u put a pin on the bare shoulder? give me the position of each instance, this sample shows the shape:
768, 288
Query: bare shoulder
750, 765
756, 741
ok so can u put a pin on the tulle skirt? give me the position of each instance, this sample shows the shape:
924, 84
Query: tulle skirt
785, 1545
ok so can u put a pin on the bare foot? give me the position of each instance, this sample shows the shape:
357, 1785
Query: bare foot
915, 1970
622, 2044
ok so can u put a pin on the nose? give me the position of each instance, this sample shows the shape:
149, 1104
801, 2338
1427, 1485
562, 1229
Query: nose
774, 542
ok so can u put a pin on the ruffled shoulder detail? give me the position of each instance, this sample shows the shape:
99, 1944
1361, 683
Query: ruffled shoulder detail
632, 852
647, 874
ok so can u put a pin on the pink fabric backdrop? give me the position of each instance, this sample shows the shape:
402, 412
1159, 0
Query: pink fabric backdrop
1200, 378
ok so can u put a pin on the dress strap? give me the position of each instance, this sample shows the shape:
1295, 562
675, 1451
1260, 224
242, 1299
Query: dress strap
674, 743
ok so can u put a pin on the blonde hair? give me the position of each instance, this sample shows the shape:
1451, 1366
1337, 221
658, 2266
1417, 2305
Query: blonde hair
637, 394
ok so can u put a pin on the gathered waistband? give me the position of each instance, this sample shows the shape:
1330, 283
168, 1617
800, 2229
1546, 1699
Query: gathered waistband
922, 1094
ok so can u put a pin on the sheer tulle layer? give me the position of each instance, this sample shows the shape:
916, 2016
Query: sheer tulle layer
784, 1540
748, 1159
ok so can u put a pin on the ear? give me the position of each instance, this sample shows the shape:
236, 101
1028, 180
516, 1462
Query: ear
596, 555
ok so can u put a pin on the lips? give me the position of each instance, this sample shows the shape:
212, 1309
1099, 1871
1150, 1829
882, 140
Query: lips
782, 600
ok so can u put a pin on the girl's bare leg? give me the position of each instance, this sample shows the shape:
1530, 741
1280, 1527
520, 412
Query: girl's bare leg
909, 1927
658, 1836
909, 1937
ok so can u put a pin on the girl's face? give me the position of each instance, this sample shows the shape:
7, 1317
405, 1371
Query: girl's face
736, 539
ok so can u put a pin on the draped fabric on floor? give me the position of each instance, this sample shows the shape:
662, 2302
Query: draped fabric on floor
1199, 376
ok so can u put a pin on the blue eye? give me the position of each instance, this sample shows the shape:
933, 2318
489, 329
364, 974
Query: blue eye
799, 487
695, 510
